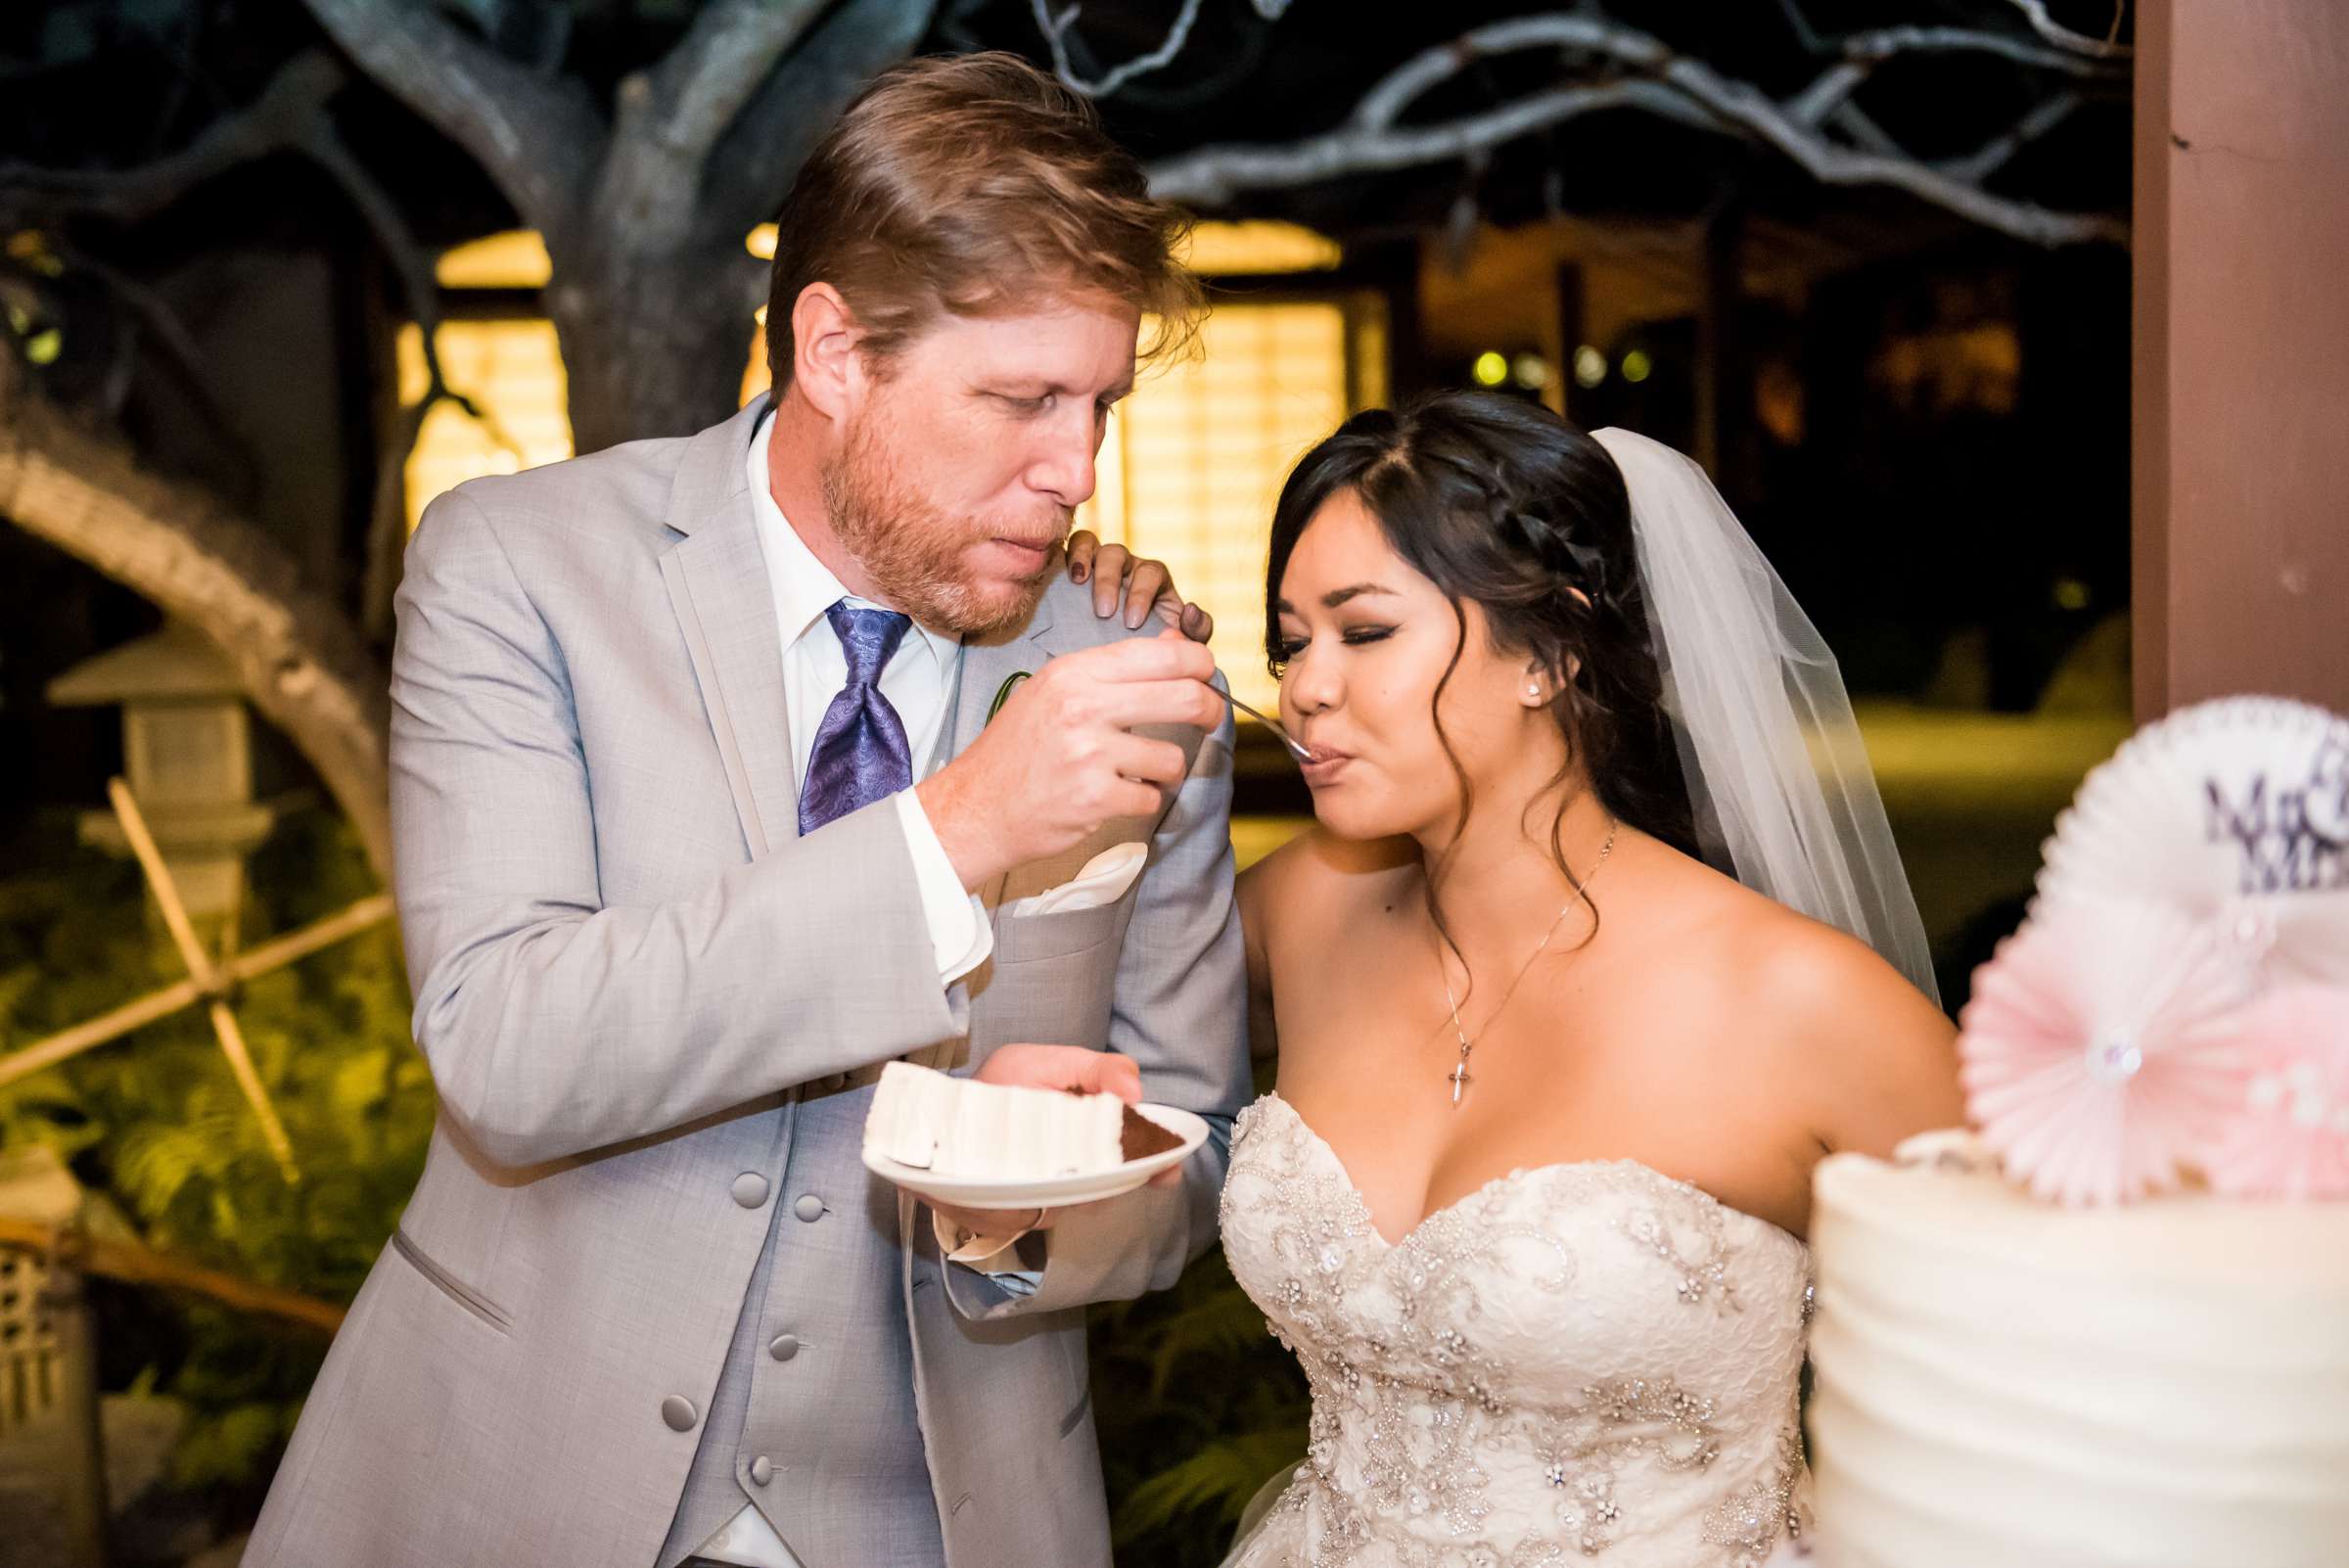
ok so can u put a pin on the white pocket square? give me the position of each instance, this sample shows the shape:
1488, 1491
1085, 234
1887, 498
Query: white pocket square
1103, 879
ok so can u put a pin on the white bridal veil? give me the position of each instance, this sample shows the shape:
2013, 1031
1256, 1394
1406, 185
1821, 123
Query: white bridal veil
1779, 780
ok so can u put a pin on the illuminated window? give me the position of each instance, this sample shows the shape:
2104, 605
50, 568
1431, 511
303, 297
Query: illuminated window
510, 368
1195, 458
1258, 245
512, 372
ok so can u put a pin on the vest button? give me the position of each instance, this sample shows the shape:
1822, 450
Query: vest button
810, 1208
762, 1470
678, 1411
783, 1347
750, 1190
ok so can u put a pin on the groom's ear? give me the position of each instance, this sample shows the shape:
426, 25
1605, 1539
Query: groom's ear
824, 337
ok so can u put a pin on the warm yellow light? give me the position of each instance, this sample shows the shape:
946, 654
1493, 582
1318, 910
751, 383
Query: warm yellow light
1258, 245
1491, 369
1193, 461
1529, 371
1637, 365
756, 378
513, 371
1215, 250
1589, 366
2071, 593
514, 260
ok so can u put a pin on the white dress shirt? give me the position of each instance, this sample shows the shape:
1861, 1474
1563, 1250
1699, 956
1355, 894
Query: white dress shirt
919, 681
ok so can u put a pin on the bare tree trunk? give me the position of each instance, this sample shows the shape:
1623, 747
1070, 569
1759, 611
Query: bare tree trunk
655, 340
295, 652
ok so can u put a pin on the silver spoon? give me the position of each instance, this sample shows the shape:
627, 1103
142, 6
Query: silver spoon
1300, 752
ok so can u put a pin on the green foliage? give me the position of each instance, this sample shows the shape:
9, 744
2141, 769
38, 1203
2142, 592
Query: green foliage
155, 1122
1196, 1405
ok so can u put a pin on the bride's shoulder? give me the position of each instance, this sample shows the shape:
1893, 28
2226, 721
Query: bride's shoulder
1827, 1011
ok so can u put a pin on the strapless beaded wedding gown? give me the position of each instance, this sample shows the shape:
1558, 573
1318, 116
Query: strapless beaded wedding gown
1582, 1361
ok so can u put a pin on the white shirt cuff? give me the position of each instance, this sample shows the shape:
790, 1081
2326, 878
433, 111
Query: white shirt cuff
959, 935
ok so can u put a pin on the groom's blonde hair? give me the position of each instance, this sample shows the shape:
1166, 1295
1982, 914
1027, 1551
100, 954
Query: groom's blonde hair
973, 184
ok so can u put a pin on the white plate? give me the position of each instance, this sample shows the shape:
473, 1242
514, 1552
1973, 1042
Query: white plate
1056, 1193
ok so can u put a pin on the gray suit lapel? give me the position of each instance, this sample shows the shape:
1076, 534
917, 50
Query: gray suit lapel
718, 584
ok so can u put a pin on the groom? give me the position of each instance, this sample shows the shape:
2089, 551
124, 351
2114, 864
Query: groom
701, 818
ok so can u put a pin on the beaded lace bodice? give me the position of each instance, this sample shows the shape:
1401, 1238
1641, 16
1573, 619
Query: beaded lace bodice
1581, 1361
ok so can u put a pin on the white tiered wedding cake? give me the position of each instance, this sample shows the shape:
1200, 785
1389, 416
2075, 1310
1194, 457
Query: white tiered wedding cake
2142, 1361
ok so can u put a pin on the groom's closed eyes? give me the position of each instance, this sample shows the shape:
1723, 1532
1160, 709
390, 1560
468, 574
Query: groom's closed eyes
1040, 398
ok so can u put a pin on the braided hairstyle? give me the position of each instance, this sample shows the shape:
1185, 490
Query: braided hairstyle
1500, 501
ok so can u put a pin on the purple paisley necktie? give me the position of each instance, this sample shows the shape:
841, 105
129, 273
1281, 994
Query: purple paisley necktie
860, 754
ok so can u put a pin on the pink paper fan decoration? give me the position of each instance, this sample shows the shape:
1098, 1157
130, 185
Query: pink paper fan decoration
2094, 1053
2290, 1139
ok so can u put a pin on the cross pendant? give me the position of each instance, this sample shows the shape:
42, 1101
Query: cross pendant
1457, 1078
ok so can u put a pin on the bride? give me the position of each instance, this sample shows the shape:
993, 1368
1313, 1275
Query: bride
1598, 946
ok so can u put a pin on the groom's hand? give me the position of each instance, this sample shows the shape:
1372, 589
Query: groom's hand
1075, 1069
1061, 758
1064, 1067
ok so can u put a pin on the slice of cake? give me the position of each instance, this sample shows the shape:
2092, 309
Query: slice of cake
957, 1127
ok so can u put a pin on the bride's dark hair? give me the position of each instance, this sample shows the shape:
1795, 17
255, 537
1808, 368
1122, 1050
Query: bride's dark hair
1501, 502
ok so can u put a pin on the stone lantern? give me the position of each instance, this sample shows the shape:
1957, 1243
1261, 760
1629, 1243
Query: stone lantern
51, 1457
187, 754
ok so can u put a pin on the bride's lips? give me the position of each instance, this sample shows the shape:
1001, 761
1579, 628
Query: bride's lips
1327, 763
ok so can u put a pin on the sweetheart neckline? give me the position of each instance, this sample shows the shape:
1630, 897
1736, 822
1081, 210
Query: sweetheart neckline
1520, 1172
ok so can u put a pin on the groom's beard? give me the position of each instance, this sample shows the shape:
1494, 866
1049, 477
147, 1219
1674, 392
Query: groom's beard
913, 550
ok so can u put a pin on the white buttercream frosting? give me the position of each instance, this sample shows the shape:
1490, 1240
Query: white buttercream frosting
956, 1126
1999, 1381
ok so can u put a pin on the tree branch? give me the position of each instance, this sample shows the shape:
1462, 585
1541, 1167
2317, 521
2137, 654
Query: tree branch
1055, 30
420, 291
539, 140
1215, 174
1676, 86
753, 166
716, 69
1882, 43
148, 309
1994, 154
273, 121
672, 115
2064, 38
292, 650
1747, 107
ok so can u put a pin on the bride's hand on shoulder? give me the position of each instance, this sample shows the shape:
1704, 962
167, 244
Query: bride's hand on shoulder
1134, 584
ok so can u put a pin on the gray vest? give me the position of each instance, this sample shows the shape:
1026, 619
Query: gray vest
815, 1407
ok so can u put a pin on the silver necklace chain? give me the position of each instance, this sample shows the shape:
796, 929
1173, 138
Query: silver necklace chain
1458, 1076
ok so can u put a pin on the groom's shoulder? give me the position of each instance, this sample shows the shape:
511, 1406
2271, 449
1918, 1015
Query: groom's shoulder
1068, 609
619, 497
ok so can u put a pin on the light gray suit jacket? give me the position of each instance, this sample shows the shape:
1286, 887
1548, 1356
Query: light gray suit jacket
630, 972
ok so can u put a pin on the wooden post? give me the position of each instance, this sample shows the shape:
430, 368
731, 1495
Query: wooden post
1573, 402
2240, 460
